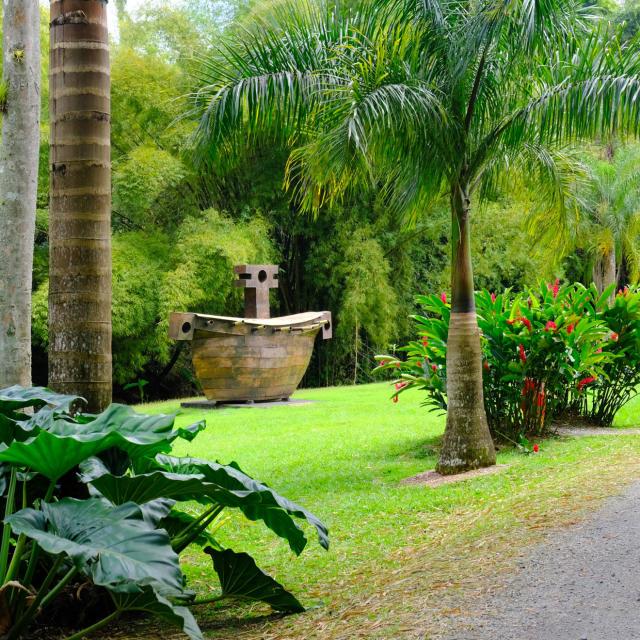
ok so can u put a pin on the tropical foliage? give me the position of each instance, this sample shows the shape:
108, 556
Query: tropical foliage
548, 353
99, 499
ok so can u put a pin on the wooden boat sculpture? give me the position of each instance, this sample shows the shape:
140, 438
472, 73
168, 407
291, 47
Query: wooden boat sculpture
255, 358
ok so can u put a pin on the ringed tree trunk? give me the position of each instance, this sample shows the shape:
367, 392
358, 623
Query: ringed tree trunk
467, 442
80, 208
19, 152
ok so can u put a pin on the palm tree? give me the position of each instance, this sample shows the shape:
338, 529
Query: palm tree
80, 207
420, 99
20, 107
605, 222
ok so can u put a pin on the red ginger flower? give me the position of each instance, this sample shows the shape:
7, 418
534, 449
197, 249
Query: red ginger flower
529, 386
540, 399
525, 321
443, 297
614, 336
536, 448
551, 326
434, 367
585, 381
556, 287
570, 328
425, 341
493, 297
401, 385
523, 355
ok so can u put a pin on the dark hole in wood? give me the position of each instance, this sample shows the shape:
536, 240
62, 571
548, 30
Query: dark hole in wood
245, 276
327, 325
186, 327
262, 275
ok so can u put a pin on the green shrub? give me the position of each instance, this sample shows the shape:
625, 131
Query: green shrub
99, 501
621, 382
543, 351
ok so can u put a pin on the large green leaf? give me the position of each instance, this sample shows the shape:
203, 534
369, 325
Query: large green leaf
226, 486
60, 445
149, 600
17, 397
240, 577
232, 477
111, 545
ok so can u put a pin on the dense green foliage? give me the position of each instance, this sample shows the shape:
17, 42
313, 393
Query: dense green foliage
357, 259
96, 498
549, 352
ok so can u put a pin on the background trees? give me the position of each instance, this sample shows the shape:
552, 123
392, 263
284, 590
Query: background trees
410, 101
158, 190
19, 154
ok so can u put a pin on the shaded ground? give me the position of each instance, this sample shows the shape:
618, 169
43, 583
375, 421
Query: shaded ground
583, 584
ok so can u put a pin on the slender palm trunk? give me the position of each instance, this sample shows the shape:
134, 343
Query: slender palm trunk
467, 442
605, 272
18, 185
80, 214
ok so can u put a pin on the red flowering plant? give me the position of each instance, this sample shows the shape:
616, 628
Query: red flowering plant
540, 350
621, 382
425, 363
542, 346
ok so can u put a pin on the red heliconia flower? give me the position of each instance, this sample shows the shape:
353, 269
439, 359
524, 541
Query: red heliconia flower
434, 367
536, 448
614, 336
527, 323
528, 387
523, 355
443, 297
556, 287
570, 328
585, 381
551, 326
493, 297
540, 399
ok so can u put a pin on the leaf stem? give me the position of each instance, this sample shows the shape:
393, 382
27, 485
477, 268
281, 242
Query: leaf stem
33, 560
30, 613
196, 603
59, 587
6, 529
94, 627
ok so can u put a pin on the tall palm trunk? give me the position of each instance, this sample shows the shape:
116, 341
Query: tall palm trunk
18, 185
80, 210
467, 442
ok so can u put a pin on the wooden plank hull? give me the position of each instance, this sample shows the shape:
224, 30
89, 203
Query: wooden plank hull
253, 366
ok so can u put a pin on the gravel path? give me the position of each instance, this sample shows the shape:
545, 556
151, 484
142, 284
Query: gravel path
582, 584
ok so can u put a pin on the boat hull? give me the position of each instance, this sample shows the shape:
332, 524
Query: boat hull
256, 366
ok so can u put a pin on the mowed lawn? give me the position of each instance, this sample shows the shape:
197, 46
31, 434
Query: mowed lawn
402, 557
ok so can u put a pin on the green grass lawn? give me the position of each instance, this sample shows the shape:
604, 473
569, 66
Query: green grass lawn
399, 553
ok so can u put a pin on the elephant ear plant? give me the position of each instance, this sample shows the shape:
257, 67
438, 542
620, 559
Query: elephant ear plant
96, 500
